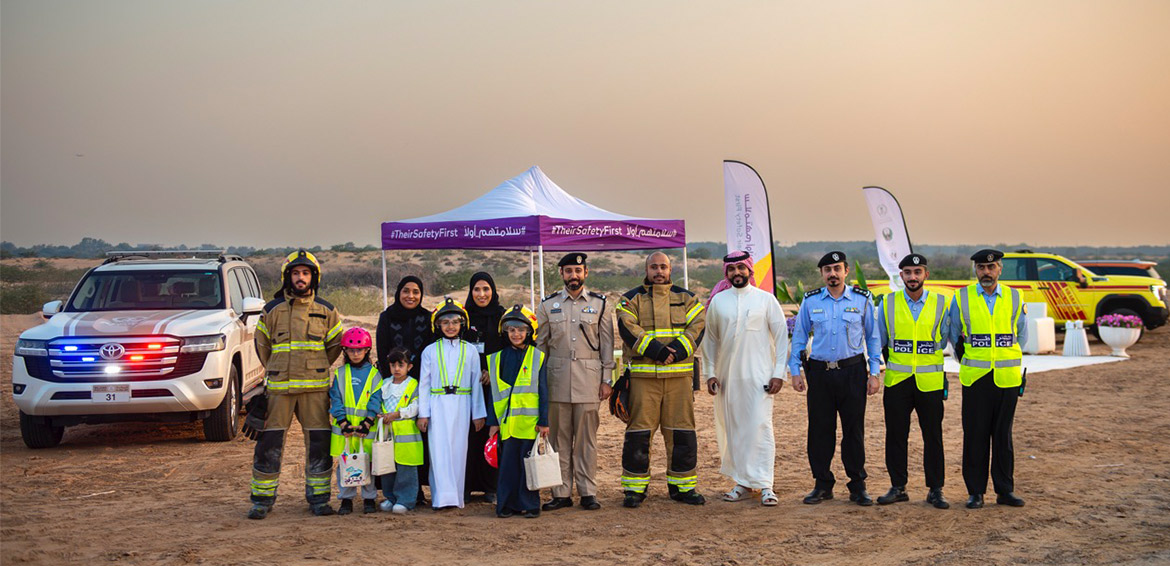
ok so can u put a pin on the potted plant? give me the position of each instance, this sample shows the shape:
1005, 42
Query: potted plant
1119, 331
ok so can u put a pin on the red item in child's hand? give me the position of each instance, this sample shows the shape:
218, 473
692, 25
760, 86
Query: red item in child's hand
490, 451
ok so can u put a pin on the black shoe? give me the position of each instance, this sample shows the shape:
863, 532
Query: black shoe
321, 509
532, 513
505, 513
1009, 498
818, 495
861, 498
346, 507
369, 506
692, 497
633, 499
589, 503
935, 497
557, 503
895, 495
259, 511
489, 497
975, 501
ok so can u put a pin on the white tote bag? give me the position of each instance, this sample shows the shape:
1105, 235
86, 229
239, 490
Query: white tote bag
355, 468
543, 469
382, 454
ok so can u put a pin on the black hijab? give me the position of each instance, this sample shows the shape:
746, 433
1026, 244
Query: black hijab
484, 320
400, 326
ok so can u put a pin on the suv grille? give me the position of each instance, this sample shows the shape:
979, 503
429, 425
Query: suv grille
149, 358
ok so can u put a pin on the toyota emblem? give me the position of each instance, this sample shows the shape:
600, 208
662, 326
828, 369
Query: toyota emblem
112, 351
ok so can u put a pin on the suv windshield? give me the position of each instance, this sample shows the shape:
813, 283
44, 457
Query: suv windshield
148, 290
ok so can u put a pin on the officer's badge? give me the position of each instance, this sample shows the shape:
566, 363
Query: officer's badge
915, 260
556, 305
836, 257
589, 310
852, 309
990, 258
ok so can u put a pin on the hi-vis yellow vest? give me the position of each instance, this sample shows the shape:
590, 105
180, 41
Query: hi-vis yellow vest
991, 337
517, 406
355, 410
915, 347
408, 444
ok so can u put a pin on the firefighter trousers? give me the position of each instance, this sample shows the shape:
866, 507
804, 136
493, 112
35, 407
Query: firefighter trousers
667, 404
312, 411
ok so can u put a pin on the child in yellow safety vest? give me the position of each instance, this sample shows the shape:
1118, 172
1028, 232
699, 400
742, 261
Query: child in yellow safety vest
518, 379
399, 410
355, 399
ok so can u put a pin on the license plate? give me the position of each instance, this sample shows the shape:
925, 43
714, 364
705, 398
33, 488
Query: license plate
119, 393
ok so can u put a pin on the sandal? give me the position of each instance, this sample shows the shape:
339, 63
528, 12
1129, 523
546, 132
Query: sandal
737, 493
768, 498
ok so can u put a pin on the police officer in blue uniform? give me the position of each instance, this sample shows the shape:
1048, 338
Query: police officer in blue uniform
845, 343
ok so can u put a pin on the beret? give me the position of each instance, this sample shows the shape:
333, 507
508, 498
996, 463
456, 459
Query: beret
831, 258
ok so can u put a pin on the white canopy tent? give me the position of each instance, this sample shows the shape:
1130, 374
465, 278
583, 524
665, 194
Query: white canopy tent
530, 212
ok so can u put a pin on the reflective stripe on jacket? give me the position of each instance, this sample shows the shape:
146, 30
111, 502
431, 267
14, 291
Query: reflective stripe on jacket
297, 340
652, 318
517, 406
915, 346
991, 343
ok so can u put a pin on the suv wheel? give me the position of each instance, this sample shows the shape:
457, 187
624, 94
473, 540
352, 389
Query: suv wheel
38, 433
224, 421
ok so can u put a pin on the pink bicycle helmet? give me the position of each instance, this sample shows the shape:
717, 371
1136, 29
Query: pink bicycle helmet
356, 338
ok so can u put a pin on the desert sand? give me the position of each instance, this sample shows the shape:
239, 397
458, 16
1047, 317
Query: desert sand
1092, 460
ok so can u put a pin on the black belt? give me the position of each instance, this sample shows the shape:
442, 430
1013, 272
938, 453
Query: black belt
822, 366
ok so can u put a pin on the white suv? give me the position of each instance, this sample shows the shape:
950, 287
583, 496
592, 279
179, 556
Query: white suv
145, 336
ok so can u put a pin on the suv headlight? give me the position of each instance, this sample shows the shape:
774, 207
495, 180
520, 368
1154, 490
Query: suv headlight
1159, 291
203, 344
32, 347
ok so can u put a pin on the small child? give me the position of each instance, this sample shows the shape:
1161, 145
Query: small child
399, 409
450, 402
518, 379
355, 398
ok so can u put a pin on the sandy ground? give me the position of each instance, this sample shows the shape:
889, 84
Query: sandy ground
1093, 462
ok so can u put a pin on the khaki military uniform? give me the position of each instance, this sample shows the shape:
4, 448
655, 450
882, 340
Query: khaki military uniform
297, 340
653, 320
577, 335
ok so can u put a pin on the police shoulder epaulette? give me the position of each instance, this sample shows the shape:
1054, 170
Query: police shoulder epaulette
598, 295
813, 292
272, 304
857, 289
677, 289
321, 301
555, 293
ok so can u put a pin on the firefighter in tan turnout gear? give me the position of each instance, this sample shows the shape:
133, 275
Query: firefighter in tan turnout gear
661, 326
298, 338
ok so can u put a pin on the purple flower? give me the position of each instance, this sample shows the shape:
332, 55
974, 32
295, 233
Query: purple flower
791, 324
1119, 321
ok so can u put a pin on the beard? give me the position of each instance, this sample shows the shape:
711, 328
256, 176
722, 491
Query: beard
834, 281
573, 284
913, 285
986, 281
301, 291
739, 281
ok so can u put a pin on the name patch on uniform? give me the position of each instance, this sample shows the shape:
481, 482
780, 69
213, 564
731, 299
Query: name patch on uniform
852, 309
818, 311
980, 340
554, 311
926, 347
903, 346
1004, 340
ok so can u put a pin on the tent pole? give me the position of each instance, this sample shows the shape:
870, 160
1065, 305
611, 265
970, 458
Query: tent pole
686, 280
385, 300
541, 253
531, 281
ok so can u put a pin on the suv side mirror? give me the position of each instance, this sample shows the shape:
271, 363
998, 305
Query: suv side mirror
51, 308
252, 305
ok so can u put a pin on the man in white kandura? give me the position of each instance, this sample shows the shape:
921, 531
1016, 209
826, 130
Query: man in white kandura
744, 353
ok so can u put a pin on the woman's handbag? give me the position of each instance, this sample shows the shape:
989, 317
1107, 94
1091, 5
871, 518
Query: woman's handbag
382, 454
542, 469
355, 468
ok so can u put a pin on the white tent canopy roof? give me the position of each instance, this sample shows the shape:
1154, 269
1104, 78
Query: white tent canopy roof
531, 193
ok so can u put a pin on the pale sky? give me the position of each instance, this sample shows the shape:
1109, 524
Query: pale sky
286, 123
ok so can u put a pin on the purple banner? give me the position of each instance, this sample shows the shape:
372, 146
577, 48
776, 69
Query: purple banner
527, 232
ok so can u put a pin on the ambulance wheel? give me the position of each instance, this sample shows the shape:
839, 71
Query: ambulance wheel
224, 421
38, 433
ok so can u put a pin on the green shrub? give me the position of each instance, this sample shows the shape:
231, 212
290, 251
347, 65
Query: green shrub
23, 299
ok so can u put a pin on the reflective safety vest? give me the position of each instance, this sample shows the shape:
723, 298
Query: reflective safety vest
408, 444
517, 406
915, 346
449, 381
991, 337
355, 411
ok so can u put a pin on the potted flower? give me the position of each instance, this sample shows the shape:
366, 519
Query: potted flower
1119, 331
